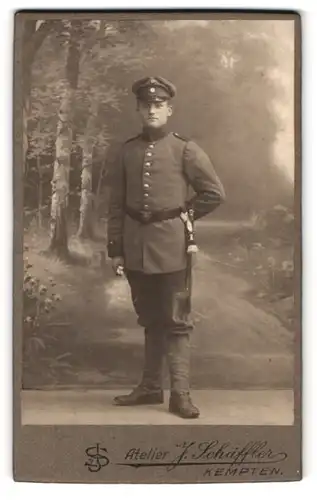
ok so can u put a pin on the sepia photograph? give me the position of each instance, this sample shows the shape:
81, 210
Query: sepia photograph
159, 221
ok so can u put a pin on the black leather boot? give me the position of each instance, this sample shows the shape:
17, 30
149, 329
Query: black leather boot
140, 396
178, 356
149, 391
181, 404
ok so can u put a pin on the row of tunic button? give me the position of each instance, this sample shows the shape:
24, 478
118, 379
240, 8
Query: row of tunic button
147, 174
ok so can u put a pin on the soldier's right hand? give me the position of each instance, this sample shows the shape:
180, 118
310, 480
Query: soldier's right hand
118, 265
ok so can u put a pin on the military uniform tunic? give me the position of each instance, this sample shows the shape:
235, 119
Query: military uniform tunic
151, 176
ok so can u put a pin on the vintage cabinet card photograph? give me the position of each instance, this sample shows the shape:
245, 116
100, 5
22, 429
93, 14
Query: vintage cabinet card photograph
157, 246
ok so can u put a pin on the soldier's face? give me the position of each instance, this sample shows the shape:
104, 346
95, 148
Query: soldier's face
154, 114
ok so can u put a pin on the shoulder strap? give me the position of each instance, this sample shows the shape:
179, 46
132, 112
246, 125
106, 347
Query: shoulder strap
181, 137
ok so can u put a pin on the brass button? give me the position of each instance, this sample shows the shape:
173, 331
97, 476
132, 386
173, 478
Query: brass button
147, 173
146, 206
146, 186
146, 195
151, 146
147, 164
149, 154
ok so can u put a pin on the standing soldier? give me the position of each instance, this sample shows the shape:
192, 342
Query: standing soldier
159, 181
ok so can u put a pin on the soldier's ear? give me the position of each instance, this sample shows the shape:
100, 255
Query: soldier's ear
170, 109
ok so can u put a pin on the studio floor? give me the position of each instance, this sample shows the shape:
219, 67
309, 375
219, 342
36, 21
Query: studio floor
95, 407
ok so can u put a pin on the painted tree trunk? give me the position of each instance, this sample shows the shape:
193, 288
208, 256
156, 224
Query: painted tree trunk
60, 181
86, 222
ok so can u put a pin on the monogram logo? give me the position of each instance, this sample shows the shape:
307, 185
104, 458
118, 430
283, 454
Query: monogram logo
97, 458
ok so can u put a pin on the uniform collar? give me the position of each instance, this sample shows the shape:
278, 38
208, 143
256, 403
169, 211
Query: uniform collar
152, 134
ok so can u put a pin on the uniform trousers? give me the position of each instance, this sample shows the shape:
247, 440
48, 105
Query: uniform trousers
153, 297
166, 331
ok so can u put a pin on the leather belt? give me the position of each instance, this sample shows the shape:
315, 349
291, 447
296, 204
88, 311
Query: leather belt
146, 216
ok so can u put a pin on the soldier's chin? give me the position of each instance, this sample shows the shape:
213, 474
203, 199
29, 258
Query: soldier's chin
153, 123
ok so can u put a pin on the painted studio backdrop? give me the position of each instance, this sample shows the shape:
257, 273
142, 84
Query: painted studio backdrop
235, 99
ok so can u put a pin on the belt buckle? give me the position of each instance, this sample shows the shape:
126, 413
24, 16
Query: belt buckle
145, 216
